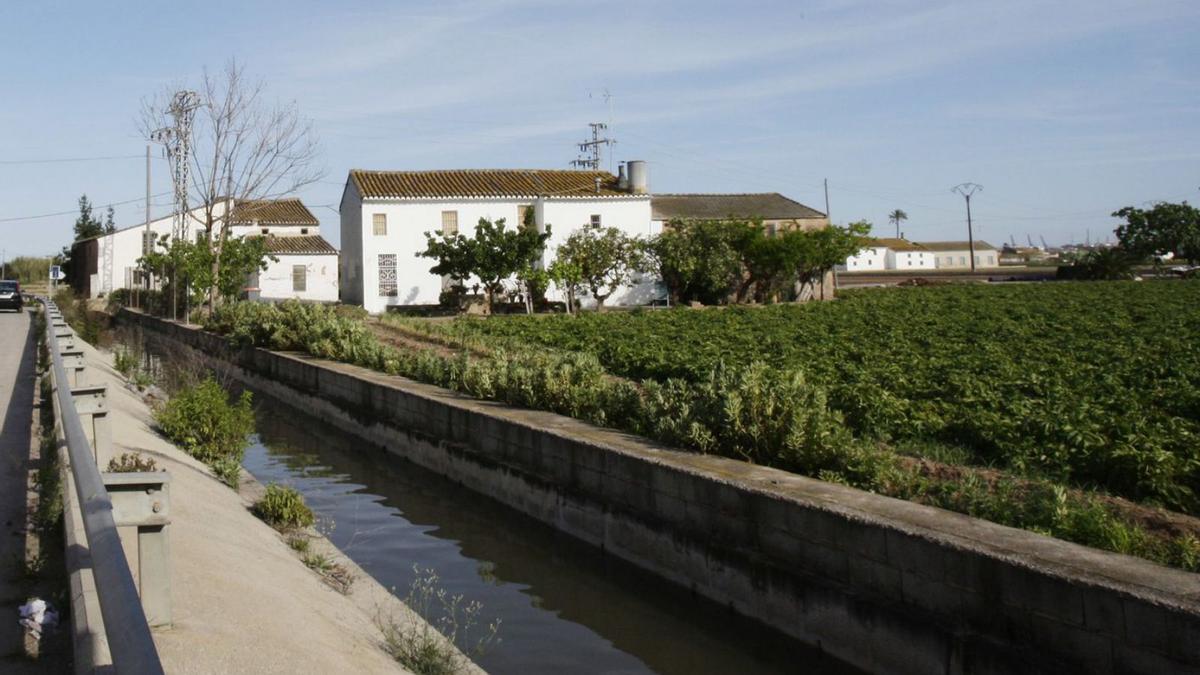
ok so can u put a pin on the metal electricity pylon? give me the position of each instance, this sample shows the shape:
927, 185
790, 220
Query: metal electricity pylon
967, 190
177, 140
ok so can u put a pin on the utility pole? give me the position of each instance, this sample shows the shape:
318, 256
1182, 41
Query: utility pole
591, 159
967, 190
827, 216
178, 143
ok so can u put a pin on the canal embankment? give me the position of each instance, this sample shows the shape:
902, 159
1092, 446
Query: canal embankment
242, 599
887, 585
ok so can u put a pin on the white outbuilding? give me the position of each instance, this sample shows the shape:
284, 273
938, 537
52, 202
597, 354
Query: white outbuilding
305, 265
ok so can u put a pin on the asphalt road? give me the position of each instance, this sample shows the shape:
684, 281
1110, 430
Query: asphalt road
17, 378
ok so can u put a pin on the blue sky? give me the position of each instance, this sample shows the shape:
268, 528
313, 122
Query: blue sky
1063, 111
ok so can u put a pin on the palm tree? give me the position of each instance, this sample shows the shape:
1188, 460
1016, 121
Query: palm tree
895, 217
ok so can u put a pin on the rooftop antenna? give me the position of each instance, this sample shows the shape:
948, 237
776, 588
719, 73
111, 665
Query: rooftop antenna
590, 159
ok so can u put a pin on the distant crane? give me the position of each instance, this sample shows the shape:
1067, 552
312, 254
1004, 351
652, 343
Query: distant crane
1044, 246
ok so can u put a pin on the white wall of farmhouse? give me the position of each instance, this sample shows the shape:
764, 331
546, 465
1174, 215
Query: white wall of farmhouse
277, 282
408, 219
910, 260
868, 259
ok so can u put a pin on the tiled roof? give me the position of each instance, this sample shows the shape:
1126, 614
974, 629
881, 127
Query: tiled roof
768, 206
309, 244
898, 244
484, 183
273, 212
957, 245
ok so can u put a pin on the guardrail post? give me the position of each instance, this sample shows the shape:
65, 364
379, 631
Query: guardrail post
142, 500
92, 401
74, 362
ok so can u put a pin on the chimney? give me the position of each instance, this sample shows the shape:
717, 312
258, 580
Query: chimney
597, 184
622, 178
639, 180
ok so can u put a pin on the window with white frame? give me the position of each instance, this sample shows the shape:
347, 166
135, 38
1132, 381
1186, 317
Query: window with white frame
387, 275
299, 278
595, 221
449, 222
523, 212
379, 224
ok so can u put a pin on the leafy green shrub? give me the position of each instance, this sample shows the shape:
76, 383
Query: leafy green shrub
202, 422
125, 362
283, 508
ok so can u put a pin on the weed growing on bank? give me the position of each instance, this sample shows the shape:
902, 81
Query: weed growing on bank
283, 508
132, 462
203, 422
444, 642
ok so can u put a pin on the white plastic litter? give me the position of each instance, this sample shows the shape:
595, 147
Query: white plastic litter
38, 616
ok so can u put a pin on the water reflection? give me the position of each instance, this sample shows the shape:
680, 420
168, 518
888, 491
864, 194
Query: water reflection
565, 606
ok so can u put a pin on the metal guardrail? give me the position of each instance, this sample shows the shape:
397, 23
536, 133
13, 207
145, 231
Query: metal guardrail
129, 640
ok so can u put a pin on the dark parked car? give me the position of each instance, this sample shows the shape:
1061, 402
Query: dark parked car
10, 295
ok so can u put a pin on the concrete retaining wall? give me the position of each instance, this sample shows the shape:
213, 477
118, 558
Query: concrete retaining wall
887, 585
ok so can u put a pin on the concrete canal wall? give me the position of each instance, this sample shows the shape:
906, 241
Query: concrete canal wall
887, 585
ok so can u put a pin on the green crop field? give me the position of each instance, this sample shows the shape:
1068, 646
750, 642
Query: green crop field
1093, 384
1038, 406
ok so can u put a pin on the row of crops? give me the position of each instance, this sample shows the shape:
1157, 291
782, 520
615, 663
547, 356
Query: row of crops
1094, 385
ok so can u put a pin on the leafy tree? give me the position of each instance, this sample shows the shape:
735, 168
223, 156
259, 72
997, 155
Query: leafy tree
494, 254
192, 260
86, 226
819, 250
1102, 264
607, 259
110, 224
698, 259
1165, 228
568, 278
895, 218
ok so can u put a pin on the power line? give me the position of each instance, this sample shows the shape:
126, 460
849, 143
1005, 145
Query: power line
67, 159
76, 210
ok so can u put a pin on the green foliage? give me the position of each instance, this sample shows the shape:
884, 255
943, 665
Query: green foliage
1164, 228
896, 217
602, 260
202, 422
125, 361
1092, 385
131, 462
86, 225
191, 263
28, 270
716, 261
283, 508
1102, 264
493, 255
698, 260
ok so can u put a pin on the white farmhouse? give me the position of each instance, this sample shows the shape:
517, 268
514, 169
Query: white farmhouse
386, 213
306, 265
956, 255
906, 255
873, 256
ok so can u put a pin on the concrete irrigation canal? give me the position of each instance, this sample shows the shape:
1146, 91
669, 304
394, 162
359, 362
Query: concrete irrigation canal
564, 605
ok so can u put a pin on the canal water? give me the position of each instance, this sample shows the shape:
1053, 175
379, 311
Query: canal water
564, 606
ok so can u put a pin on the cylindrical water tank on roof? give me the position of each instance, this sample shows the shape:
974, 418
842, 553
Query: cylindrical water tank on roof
639, 177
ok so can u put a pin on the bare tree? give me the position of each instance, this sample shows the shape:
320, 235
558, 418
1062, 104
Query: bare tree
245, 148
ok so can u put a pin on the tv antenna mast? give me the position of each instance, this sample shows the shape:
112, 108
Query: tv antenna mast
591, 157
177, 140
